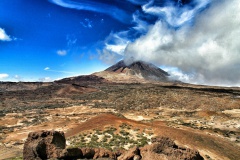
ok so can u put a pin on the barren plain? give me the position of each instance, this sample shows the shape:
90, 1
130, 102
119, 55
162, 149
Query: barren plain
96, 112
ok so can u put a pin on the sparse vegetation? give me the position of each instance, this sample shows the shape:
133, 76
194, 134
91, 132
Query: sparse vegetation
110, 138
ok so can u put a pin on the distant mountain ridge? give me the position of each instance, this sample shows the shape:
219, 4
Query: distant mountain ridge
140, 68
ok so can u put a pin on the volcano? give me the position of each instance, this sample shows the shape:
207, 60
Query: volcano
140, 69
136, 72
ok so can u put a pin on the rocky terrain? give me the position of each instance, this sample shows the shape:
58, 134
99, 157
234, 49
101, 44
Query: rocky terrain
52, 144
119, 111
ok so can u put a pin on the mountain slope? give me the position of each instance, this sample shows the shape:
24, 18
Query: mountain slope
141, 69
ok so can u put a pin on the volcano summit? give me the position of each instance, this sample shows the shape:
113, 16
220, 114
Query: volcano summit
140, 69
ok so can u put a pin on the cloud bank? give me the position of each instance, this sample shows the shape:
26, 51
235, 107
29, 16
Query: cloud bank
4, 36
208, 51
198, 40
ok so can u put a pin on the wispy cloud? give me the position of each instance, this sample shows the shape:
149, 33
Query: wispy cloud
47, 68
175, 15
108, 57
4, 36
138, 2
141, 26
3, 76
87, 23
59, 71
114, 47
17, 77
62, 52
95, 6
117, 42
71, 40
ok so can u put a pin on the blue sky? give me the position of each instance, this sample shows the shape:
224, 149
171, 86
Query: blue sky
44, 40
42, 34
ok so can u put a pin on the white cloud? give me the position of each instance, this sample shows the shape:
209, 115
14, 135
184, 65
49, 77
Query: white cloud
95, 6
119, 49
71, 40
173, 15
139, 2
46, 68
108, 57
177, 74
208, 51
141, 25
51, 70
3, 76
114, 48
62, 52
45, 79
87, 23
4, 36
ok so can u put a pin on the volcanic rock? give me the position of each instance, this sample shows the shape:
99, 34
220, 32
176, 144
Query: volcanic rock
165, 148
51, 145
141, 69
161, 148
44, 145
133, 153
104, 153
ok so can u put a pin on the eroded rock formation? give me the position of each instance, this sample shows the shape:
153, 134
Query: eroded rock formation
44, 145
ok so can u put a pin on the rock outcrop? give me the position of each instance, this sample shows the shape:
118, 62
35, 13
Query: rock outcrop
162, 148
52, 145
44, 145
165, 148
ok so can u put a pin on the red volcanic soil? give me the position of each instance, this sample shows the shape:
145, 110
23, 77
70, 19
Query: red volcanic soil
101, 121
195, 139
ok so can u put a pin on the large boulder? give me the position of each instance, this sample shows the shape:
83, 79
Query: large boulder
51, 144
44, 145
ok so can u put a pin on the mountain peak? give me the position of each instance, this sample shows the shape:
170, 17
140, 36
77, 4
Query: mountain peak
140, 68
